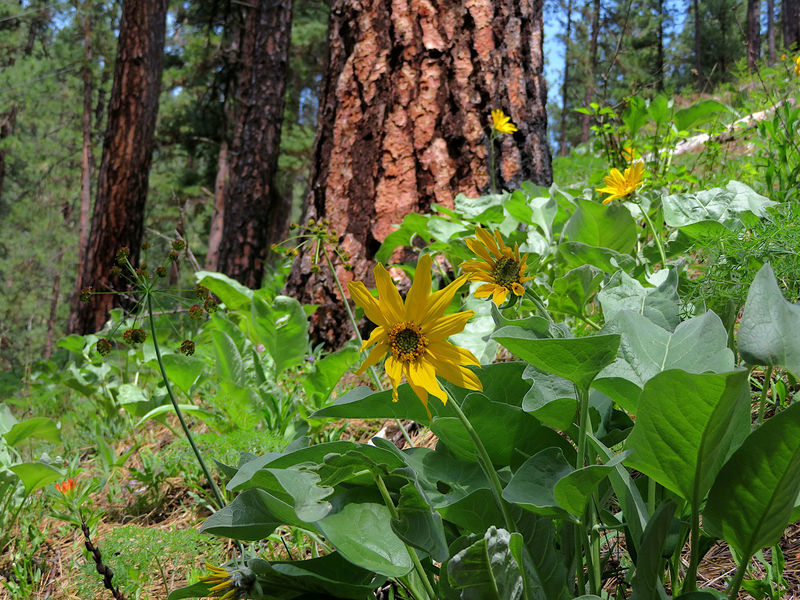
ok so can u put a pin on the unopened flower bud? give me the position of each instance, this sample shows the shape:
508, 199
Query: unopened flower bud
187, 347
103, 347
116, 271
196, 312
145, 245
210, 305
161, 271
173, 256
201, 291
134, 336
178, 245
122, 254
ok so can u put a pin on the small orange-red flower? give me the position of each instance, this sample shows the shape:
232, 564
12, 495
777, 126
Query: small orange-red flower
66, 487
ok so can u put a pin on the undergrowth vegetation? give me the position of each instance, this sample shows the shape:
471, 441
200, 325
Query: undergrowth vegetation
592, 386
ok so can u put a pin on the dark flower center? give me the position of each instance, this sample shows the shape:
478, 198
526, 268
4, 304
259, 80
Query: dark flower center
506, 271
407, 341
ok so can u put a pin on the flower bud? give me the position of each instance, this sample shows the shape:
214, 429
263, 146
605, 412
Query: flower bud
178, 245
210, 305
187, 347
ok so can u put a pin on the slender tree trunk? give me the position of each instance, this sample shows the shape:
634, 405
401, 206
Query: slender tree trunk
86, 156
215, 232
660, 48
403, 122
255, 216
117, 220
562, 137
791, 24
753, 33
590, 82
771, 31
698, 45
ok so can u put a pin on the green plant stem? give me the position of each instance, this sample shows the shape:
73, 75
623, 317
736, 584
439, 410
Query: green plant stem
170, 393
690, 580
353, 322
486, 464
9, 524
656, 237
762, 404
590, 323
387, 500
736, 582
583, 426
534, 297
579, 544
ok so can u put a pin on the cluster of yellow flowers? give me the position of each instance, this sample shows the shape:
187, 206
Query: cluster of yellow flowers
797, 66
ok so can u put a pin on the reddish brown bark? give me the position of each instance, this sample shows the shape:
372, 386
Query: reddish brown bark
86, 155
255, 216
791, 24
215, 231
117, 219
404, 117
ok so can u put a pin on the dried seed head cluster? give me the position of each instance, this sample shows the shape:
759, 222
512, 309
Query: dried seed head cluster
122, 255
103, 346
196, 312
134, 336
178, 245
187, 347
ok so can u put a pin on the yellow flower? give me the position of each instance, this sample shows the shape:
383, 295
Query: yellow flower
501, 123
414, 333
797, 66
628, 153
783, 56
220, 583
500, 267
620, 185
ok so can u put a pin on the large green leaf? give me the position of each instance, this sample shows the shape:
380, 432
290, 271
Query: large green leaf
768, 331
282, 328
418, 524
686, 427
232, 293
697, 345
505, 430
35, 427
246, 518
532, 485
698, 113
573, 491
182, 370
359, 526
604, 226
709, 211
498, 566
751, 501
574, 290
229, 362
650, 560
576, 359
363, 403
551, 399
35, 475
576, 254
301, 489
326, 373
659, 304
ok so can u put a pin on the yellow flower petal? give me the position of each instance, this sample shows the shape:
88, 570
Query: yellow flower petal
438, 302
377, 334
487, 240
374, 357
390, 301
362, 297
422, 374
420, 290
486, 290
479, 249
394, 369
443, 327
499, 295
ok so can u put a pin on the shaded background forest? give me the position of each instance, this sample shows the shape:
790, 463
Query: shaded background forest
57, 62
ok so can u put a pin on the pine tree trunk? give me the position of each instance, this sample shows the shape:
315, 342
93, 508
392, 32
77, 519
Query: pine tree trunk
403, 123
86, 155
753, 33
771, 31
590, 78
220, 183
791, 24
117, 219
562, 136
698, 45
255, 216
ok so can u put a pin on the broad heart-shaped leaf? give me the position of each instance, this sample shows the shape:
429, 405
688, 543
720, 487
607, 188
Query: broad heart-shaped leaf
660, 304
419, 525
246, 518
532, 485
605, 226
359, 526
229, 361
576, 254
572, 291
709, 210
35, 427
572, 491
768, 332
499, 567
649, 560
752, 498
299, 488
326, 373
35, 475
697, 345
698, 113
686, 427
505, 430
551, 399
282, 328
182, 370
232, 293
576, 359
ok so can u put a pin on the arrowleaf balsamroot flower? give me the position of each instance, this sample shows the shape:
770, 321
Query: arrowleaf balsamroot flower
500, 267
414, 333
220, 583
501, 123
797, 66
620, 185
